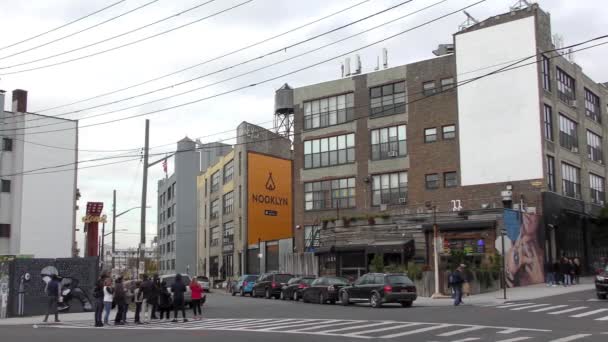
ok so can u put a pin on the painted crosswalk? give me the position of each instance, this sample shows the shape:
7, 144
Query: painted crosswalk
352, 329
571, 310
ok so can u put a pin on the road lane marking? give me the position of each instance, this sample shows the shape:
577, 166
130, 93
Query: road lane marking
529, 307
578, 308
286, 322
460, 331
299, 325
602, 319
467, 339
509, 331
256, 323
589, 313
570, 338
515, 339
549, 308
354, 327
323, 325
417, 331
240, 323
366, 332
512, 305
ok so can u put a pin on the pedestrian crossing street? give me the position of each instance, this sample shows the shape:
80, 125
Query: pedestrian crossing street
353, 329
573, 310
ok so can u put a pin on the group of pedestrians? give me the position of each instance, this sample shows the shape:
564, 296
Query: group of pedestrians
151, 296
565, 272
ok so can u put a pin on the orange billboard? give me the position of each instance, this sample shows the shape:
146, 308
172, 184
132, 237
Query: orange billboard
269, 198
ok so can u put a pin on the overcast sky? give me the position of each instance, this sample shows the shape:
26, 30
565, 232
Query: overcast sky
573, 20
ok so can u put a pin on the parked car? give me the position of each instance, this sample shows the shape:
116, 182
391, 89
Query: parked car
601, 283
170, 279
380, 288
245, 284
323, 290
204, 282
269, 285
293, 289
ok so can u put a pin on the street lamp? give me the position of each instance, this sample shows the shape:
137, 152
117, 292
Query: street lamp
430, 206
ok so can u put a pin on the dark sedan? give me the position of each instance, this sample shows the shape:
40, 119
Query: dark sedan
293, 289
323, 290
601, 284
269, 285
380, 288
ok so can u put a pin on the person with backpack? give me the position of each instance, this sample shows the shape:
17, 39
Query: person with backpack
53, 292
456, 280
178, 289
164, 302
120, 298
98, 296
108, 298
138, 298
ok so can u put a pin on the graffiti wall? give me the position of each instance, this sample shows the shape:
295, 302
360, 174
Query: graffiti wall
28, 279
525, 258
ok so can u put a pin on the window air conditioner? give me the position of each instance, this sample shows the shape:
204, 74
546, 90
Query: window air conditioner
392, 154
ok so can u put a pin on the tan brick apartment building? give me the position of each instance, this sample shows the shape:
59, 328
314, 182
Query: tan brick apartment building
373, 152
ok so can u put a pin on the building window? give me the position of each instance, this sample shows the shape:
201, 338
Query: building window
551, 173
594, 147
565, 87
240, 163
228, 233
312, 237
329, 151
428, 88
389, 188
169, 194
6, 185
548, 118
450, 179
432, 181
169, 212
546, 73
592, 106
173, 247
215, 181
571, 181
240, 196
173, 190
447, 84
389, 142
229, 202
5, 230
214, 236
329, 111
7, 143
227, 265
173, 264
387, 99
449, 132
430, 135
568, 133
228, 171
598, 192
214, 266
214, 210
330, 194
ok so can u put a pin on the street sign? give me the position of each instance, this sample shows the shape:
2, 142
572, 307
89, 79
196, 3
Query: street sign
498, 244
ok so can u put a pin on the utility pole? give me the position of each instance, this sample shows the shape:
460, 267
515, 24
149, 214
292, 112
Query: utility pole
144, 193
437, 293
113, 226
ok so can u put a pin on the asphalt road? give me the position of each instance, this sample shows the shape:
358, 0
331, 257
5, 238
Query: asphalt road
573, 317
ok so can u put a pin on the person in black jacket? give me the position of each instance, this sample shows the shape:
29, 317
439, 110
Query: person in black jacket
456, 281
154, 296
146, 288
164, 303
178, 289
564, 268
559, 278
120, 298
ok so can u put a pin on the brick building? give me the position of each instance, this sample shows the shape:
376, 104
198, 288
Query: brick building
376, 153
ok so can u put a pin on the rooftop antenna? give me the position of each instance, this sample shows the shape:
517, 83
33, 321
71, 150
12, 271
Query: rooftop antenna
347, 66
377, 63
342, 69
384, 58
357, 64
521, 4
469, 22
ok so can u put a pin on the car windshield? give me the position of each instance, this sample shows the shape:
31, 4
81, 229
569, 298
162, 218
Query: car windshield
307, 280
202, 279
170, 280
336, 281
251, 278
398, 280
282, 278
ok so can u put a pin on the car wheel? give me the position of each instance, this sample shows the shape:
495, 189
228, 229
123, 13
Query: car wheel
344, 299
233, 293
242, 293
322, 299
601, 296
375, 301
267, 294
295, 296
332, 302
406, 304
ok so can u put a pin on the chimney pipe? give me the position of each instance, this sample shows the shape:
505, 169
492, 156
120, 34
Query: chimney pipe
19, 101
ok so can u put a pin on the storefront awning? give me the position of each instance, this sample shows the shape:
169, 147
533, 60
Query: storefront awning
461, 225
374, 247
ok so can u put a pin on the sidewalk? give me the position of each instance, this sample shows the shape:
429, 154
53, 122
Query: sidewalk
513, 294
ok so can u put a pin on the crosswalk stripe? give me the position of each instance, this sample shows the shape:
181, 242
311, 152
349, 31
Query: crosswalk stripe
512, 305
509, 331
354, 327
549, 308
515, 339
589, 313
366, 332
568, 310
299, 325
529, 307
238, 323
416, 331
602, 319
467, 339
460, 331
570, 338
285, 322
322, 326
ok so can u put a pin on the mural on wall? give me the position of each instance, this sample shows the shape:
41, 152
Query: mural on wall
69, 289
525, 259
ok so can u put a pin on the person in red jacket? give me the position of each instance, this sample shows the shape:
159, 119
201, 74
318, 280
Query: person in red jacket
197, 293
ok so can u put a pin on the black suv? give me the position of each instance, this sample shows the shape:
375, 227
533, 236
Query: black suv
380, 288
293, 289
601, 283
270, 284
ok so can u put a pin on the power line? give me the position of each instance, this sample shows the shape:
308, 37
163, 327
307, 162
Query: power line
273, 78
505, 69
209, 60
234, 66
80, 31
113, 48
62, 26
